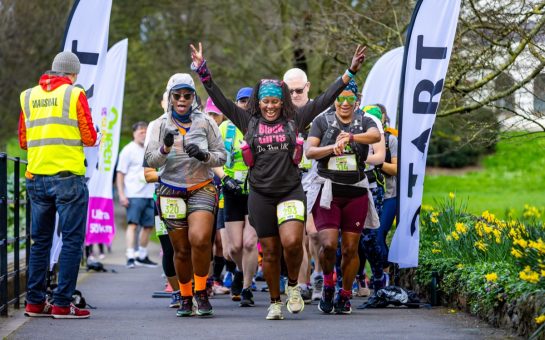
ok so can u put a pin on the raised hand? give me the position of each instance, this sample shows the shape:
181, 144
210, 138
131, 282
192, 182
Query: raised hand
358, 58
196, 55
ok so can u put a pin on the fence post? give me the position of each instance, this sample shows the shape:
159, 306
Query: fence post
3, 234
16, 233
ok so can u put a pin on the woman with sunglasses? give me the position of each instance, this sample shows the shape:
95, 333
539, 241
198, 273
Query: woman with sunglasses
276, 202
339, 197
185, 144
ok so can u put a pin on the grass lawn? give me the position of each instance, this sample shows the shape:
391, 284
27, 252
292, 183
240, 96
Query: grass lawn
510, 178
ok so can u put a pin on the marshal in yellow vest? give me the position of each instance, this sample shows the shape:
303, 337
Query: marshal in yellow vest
53, 137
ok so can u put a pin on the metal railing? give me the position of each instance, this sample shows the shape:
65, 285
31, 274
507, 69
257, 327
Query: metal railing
10, 245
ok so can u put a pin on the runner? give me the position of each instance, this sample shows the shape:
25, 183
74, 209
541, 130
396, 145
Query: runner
242, 236
276, 202
339, 139
186, 144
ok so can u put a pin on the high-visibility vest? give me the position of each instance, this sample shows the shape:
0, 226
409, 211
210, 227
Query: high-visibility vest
53, 137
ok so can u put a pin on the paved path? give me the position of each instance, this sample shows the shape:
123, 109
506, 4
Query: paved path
126, 310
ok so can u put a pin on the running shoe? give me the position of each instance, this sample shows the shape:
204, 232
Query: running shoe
283, 283
186, 306
342, 304
204, 307
228, 280
236, 287
145, 262
317, 290
130, 263
275, 311
363, 289
254, 285
219, 289
247, 298
326, 302
306, 294
38, 309
175, 300
69, 312
259, 275
294, 303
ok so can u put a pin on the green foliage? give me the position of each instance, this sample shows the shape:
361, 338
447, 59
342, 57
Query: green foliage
515, 167
485, 260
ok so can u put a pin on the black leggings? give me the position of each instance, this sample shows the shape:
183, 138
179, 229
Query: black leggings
168, 256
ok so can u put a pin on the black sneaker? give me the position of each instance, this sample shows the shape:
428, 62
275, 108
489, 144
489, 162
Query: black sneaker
203, 305
186, 306
342, 304
326, 302
145, 262
247, 298
130, 263
236, 286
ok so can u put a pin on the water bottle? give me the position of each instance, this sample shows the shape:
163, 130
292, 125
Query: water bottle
247, 155
298, 151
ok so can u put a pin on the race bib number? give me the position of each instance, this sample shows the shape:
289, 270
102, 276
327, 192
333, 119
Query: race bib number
173, 208
290, 210
342, 163
160, 227
240, 175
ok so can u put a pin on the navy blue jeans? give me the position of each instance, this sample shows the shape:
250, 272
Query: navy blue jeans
68, 196
389, 208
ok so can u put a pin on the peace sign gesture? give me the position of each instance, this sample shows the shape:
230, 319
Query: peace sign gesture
358, 58
196, 55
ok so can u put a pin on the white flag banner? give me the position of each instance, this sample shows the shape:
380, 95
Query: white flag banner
427, 53
382, 84
109, 99
86, 35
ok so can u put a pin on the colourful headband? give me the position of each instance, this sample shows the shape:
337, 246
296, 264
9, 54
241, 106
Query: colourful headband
373, 110
270, 88
352, 86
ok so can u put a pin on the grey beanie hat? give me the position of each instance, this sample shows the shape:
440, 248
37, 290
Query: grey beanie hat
66, 62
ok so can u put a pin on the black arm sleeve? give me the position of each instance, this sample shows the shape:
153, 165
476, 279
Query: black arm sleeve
237, 115
307, 113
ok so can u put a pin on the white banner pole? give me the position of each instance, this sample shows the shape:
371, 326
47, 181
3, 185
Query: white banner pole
427, 53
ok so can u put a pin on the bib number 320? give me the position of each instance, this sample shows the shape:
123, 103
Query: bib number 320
173, 208
290, 210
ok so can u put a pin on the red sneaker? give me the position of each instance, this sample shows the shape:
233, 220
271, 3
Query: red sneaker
38, 309
70, 312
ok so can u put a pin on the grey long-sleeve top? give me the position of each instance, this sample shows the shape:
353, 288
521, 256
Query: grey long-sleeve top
177, 169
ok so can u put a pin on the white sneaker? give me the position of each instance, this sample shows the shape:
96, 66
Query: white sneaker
275, 311
294, 303
317, 290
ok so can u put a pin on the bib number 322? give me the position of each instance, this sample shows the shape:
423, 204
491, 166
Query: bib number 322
290, 210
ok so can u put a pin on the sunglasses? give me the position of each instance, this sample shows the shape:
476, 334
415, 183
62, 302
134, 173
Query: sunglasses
350, 99
298, 91
177, 96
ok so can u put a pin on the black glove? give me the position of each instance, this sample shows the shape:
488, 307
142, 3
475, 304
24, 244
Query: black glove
231, 185
193, 150
168, 140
